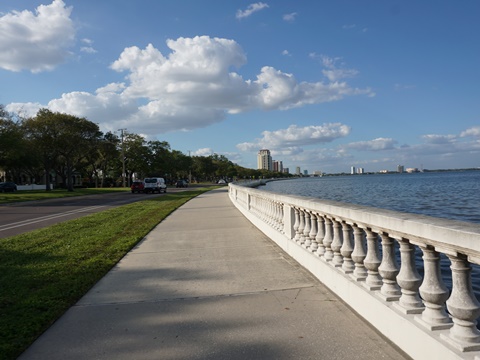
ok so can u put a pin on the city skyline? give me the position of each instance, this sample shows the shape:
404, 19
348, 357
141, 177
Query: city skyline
323, 85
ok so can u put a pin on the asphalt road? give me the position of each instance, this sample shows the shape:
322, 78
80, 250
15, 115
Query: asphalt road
23, 217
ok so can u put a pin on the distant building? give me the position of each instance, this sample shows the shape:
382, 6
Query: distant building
317, 173
286, 170
360, 171
297, 170
305, 172
411, 170
264, 160
400, 168
352, 170
277, 166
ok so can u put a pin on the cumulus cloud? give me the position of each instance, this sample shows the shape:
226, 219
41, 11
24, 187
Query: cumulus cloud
36, 41
294, 137
193, 86
252, 8
373, 145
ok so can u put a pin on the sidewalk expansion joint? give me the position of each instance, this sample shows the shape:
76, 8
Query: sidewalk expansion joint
189, 298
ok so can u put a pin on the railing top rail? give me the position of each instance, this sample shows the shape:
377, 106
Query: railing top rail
448, 236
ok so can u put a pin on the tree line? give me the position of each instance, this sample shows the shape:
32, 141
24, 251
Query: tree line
54, 145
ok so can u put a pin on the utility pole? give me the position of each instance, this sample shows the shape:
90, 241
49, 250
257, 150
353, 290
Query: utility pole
123, 158
189, 169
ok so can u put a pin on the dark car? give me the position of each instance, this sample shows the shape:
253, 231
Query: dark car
181, 184
137, 187
8, 186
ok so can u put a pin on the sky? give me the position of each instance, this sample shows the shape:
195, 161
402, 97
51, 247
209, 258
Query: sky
324, 85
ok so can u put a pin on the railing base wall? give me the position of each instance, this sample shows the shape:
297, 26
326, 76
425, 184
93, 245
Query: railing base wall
399, 328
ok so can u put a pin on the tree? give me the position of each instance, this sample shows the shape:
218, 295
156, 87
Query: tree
63, 140
12, 146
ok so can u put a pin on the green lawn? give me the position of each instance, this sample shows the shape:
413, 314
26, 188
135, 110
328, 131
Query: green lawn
44, 272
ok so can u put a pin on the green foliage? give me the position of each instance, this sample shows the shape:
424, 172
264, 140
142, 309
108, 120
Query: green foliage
44, 272
64, 144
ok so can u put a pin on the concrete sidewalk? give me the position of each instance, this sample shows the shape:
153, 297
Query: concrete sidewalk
206, 284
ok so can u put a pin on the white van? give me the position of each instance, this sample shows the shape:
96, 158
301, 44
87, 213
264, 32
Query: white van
154, 185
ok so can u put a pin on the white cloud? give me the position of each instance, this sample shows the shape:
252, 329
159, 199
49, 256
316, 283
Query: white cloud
279, 90
24, 109
89, 48
473, 131
439, 139
191, 87
290, 17
373, 145
333, 72
203, 152
286, 53
292, 138
252, 8
36, 41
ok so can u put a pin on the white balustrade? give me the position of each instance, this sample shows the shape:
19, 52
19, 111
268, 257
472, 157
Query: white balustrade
369, 261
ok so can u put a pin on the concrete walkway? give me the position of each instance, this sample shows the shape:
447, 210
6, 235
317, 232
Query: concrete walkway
206, 284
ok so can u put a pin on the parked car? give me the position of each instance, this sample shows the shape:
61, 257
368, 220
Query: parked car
152, 185
8, 186
137, 186
181, 184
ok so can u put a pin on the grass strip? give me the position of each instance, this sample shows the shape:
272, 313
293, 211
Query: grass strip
29, 195
44, 272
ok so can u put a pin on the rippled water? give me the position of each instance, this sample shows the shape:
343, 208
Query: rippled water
451, 195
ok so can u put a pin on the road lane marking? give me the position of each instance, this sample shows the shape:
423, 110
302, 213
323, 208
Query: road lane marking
47, 217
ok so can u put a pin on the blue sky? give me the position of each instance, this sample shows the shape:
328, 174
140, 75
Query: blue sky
325, 85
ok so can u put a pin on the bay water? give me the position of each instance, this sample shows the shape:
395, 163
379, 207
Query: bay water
451, 194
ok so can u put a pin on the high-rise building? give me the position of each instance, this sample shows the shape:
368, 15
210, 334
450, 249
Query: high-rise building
352, 170
298, 171
264, 160
277, 166
400, 168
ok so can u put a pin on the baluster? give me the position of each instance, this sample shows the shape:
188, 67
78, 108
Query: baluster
274, 215
372, 262
296, 224
313, 233
359, 254
336, 245
281, 225
327, 240
409, 280
389, 270
306, 230
347, 248
433, 292
301, 226
320, 235
463, 306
